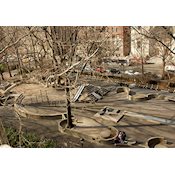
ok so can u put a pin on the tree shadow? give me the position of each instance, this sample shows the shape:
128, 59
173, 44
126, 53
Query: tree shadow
142, 125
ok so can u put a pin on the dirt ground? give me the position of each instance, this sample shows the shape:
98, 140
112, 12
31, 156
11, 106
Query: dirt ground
38, 93
137, 129
42, 128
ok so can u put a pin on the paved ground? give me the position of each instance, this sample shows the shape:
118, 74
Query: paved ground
140, 129
154, 68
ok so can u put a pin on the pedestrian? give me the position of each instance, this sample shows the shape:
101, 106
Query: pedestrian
120, 138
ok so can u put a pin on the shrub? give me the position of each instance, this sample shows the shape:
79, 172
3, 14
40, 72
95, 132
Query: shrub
27, 140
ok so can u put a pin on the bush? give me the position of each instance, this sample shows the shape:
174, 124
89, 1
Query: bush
27, 140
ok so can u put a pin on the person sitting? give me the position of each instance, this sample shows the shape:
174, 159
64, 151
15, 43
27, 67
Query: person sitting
120, 138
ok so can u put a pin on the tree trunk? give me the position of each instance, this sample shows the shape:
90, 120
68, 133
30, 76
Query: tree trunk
8, 67
51, 45
19, 61
33, 47
2, 76
54, 46
142, 67
163, 69
68, 105
142, 56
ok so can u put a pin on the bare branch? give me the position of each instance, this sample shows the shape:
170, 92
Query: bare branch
153, 37
168, 32
14, 43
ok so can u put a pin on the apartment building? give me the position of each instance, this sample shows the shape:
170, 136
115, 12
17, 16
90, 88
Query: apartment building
119, 39
146, 40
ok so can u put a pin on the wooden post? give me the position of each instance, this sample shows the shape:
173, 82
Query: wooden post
36, 99
41, 96
47, 98
68, 105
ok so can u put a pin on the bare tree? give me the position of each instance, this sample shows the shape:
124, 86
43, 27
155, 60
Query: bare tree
160, 42
70, 42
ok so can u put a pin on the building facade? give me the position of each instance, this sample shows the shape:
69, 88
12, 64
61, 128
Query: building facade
146, 40
139, 43
120, 39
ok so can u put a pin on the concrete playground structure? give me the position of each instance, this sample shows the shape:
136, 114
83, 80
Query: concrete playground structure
37, 110
89, 129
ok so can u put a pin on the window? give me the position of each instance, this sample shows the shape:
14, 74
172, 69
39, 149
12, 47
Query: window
114, 29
